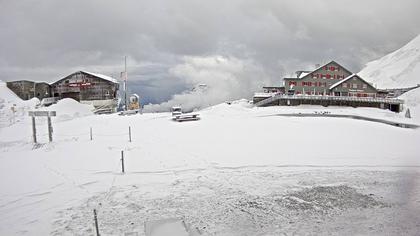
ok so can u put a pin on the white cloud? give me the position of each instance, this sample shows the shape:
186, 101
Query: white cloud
226, 78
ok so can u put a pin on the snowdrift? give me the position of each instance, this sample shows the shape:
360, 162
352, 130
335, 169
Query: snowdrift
68, 109
9, 99
412, 102
398, 69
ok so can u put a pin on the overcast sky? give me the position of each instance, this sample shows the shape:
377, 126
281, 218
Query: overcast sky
174, 45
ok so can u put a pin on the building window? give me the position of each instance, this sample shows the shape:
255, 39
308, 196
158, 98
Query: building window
365, 86
344, 85
355, 86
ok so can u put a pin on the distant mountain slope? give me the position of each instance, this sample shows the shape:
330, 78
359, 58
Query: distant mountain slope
398, 69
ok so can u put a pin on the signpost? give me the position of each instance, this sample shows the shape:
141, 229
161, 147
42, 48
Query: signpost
48, 114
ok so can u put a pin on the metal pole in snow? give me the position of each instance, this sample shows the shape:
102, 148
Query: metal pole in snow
96, 222
122, 161
91, 133
50, 130
125, 82
33, 128
129, 133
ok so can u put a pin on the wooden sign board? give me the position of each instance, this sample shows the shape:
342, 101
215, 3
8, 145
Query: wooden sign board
42, 113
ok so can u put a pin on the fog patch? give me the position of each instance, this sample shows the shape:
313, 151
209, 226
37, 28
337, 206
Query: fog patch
213, 80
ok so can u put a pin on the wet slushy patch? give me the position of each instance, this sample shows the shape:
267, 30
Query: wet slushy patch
252, 203
324, 198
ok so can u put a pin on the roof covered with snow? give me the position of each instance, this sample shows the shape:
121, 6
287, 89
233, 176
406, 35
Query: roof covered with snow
101, 76
342, 81
303, 74
348, 78
105, 77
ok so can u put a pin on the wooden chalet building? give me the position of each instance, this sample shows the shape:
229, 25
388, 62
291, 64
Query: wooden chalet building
89, 88
85, 87
26, 89
330, 84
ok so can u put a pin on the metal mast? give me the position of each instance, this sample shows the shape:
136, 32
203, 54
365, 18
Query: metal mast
125, 82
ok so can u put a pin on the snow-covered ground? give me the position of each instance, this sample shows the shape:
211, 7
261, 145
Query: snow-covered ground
238, 171
20, 108
412, 102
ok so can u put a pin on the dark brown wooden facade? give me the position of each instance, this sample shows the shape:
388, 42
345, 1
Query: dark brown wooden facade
85, 86
29, 89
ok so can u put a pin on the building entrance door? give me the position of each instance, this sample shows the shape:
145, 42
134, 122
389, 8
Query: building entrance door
74, 95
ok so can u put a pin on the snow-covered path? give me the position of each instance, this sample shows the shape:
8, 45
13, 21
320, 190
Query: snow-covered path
207, 171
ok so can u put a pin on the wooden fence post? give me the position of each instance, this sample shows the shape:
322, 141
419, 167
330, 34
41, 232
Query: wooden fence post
96, 222
122, 161
50, 130
33, 129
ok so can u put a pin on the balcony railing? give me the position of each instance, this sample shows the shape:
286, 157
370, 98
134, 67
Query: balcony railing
276, 97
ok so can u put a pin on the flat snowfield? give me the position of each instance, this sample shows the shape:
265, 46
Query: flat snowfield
236, 171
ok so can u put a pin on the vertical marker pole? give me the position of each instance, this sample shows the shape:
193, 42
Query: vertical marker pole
125, 83
129, 133
50, 129
91, 133
122, 161
96, 222
33, 128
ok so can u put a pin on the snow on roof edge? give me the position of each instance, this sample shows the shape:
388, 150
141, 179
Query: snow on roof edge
105, 77
341, 81
349, 77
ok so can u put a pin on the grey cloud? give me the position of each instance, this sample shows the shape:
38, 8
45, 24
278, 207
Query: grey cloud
47, 39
